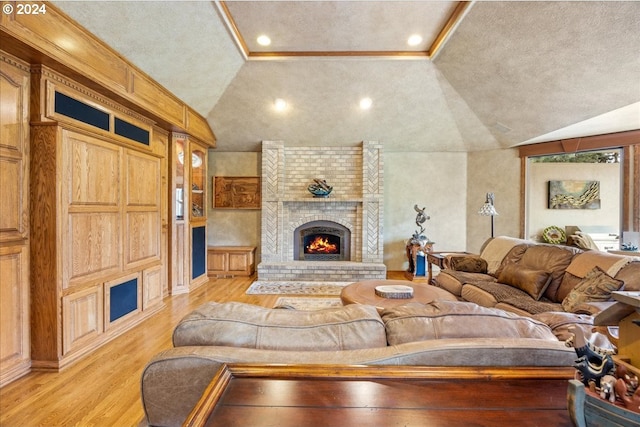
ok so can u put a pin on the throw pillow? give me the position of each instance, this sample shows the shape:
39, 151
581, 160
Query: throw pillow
466, 263
533, 282
595, 286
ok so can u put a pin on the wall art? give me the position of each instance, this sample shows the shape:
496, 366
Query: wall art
236, 192
574, 194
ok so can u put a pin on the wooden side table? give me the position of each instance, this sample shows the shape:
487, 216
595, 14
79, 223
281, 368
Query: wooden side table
437, 258
413, 250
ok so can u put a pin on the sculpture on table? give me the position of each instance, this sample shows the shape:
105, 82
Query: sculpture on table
418, 244
418, 237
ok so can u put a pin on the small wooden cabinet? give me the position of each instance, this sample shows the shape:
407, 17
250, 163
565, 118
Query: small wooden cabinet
231, 260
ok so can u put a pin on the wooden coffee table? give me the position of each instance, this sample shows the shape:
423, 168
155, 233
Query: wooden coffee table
381, 396
364, 293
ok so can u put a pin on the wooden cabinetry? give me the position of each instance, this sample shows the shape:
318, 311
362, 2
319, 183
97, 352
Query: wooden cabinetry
231, 260
15, 359
96, 222
91, 191
188, 213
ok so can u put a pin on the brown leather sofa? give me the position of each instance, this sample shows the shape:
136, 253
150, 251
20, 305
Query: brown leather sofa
532, 278
443, 333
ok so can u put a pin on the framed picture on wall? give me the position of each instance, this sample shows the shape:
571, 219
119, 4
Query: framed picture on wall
574, 194
236, 192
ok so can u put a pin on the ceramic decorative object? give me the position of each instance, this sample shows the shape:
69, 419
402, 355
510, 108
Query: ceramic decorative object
554, 235
320, 188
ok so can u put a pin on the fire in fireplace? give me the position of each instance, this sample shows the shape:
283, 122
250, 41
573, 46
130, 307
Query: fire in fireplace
322, 241
321, 244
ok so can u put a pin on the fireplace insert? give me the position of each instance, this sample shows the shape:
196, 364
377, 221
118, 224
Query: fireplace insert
322, 241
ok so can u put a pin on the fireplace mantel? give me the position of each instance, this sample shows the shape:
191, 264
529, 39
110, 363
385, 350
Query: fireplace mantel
356, 203
321, 200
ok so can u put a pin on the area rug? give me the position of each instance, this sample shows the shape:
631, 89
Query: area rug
269, 287
303, 303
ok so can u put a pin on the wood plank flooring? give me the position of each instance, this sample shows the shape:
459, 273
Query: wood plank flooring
103, 389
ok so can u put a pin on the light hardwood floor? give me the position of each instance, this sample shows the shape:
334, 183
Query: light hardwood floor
103, 389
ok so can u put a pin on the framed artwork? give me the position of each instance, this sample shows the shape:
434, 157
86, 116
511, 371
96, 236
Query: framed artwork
236, 192
568, 194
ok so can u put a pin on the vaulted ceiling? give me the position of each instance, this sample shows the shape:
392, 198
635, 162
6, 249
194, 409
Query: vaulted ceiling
485, 75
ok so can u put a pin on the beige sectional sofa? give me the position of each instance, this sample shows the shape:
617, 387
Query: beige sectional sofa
532, 278
443, 333
510, 313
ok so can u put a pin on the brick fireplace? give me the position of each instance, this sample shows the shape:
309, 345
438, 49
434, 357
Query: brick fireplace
354, 209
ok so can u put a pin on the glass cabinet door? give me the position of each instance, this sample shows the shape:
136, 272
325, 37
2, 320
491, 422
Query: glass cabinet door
198, 184
179, 182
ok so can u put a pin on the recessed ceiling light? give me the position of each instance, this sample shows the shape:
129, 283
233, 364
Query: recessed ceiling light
365, 103
280, 104
264, 40
414, 40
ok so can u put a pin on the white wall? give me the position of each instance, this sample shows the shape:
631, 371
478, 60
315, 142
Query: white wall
498, 172
239, 227
437, 181
539, 216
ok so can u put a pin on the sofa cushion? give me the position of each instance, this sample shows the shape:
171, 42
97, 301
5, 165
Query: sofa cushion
529, 305
454, 319
533, 282
499, 291
553, 259
630, 275
596, 286
237, 324
479, 294
514, 256
611, 264
496, 249
452, 281
569, 281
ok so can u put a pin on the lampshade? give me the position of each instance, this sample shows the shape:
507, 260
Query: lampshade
488, 210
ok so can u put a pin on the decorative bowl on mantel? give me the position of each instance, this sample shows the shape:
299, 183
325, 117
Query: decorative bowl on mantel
320, 188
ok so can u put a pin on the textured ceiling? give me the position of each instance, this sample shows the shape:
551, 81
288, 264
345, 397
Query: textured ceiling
509, 72
338, 26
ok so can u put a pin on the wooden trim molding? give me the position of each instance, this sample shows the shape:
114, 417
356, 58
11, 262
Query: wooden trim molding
587, 143
456, 16
523, 195
628, 141
634, 189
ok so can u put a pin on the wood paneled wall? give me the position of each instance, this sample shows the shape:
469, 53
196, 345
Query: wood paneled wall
15, 359
97, 220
